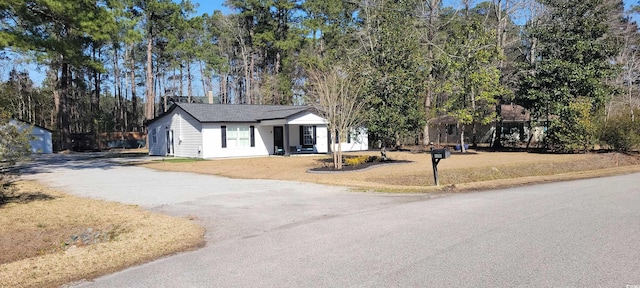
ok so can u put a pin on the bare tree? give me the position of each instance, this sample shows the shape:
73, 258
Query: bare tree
629, 76
335, 94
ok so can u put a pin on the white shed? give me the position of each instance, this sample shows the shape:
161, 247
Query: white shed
41, 138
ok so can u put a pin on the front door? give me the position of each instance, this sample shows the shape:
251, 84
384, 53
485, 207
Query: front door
278, 140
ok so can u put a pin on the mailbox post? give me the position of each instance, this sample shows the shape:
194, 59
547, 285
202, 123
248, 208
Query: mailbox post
436, 156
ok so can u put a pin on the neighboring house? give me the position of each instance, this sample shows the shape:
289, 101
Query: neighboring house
221, 130
515, 128
40, 138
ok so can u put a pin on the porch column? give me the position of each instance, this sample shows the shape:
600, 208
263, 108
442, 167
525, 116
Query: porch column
287, 152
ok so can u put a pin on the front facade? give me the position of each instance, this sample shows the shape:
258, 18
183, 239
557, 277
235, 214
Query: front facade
223, 131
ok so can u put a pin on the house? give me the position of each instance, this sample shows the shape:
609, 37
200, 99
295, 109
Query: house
40, 137
221, 130
515, 128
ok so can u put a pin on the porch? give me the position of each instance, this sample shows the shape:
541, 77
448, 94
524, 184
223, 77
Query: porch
299, 139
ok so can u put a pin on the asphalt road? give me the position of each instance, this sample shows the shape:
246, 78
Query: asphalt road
286, 234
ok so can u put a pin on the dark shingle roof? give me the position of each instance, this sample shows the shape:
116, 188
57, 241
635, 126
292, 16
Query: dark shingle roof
239, 113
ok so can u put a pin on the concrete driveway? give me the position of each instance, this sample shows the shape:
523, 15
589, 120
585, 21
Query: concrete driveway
287, 234
228, 208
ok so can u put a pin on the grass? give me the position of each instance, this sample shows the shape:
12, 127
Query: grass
461, 170
55, 238
180, 160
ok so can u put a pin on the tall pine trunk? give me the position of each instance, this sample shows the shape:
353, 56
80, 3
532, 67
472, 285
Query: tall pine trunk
204, 85
189, 88
95, 100
117, 91
134, 96
150, 94
63, 108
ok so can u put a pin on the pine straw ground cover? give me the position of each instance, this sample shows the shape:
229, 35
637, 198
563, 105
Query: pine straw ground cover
48, 238
471, 171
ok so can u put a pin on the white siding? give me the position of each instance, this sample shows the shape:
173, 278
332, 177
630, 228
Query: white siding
212, 138
41, 141
266, 138
187, 135
359, 141
306, 118
187, 139
157, 145
322, 142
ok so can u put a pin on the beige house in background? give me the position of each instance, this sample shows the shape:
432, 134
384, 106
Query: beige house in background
516, 120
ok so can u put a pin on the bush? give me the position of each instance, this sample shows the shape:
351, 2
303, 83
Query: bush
359, 160
575, 130
621, 133
14, 146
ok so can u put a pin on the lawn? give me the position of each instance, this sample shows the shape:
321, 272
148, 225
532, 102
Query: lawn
475, 170
48, 238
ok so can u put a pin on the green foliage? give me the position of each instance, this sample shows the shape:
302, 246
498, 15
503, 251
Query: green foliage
470, 76
14, 142
577, 130
20, 97
621, 133
394, 75
568, 75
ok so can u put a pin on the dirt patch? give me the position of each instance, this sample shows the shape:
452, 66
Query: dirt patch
417, 174
53, 240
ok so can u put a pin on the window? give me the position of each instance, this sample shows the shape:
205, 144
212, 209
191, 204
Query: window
238, 136
452, 129
307, 135
153, 136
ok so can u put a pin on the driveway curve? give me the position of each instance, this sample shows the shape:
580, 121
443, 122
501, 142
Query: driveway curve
230, 207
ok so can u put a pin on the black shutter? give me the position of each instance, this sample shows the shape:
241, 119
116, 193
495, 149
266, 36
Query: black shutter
223, 132
253, 136
349, 137
301, 135
314, 135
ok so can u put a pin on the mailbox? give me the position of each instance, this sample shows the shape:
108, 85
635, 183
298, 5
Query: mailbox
436, 156
440, 153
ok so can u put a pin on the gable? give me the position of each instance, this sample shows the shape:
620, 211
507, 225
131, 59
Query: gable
306, 118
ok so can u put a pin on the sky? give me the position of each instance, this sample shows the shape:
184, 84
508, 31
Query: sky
208, 6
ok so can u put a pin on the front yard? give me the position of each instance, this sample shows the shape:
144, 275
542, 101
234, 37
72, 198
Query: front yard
475, 170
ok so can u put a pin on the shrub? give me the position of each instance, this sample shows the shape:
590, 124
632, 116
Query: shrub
359, 160
355, 160
14, 146
621, 133
575, 130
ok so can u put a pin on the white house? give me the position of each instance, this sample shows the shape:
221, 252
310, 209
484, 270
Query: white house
222, 130
40, 138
